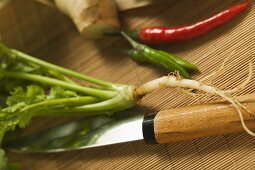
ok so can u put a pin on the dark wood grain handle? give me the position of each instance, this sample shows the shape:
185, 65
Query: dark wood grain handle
197, 121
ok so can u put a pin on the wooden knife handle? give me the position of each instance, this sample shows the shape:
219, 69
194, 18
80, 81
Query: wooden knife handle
197, 121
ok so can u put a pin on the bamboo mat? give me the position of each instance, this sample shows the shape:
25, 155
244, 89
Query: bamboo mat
45, 33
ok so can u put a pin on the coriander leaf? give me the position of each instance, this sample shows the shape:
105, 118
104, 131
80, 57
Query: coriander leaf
33, 94
58, 92
17, 96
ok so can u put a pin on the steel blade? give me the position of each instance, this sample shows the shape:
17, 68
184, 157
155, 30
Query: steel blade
86, 133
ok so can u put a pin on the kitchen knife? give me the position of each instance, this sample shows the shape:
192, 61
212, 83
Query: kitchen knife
172, 125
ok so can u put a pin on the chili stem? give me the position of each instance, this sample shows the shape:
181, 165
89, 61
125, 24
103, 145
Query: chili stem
129, 39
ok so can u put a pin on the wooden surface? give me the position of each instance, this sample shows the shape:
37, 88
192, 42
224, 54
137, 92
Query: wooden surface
43, 32
202, 120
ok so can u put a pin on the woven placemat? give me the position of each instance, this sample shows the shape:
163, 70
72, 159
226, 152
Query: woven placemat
43, 32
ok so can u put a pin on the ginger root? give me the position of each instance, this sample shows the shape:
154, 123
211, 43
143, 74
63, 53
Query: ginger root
91, 17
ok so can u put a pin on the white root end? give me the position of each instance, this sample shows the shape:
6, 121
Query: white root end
176, 82
91, 17
215, 72
244, 84
237, 105
172, 81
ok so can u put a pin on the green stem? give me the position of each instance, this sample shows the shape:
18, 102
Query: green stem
61, 77
130, 40
64, 78
103, 94
71, 112
63, 70
61, 102
108, 106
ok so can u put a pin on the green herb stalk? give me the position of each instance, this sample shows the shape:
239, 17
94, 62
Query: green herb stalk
31, 87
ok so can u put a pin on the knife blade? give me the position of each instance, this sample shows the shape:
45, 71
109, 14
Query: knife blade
187, 123
85, 133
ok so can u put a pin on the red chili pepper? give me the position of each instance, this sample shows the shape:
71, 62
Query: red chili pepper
158, 35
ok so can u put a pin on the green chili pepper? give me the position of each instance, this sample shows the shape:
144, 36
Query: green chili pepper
138, 57
134, 54
145, 53
187, 65
153, 56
